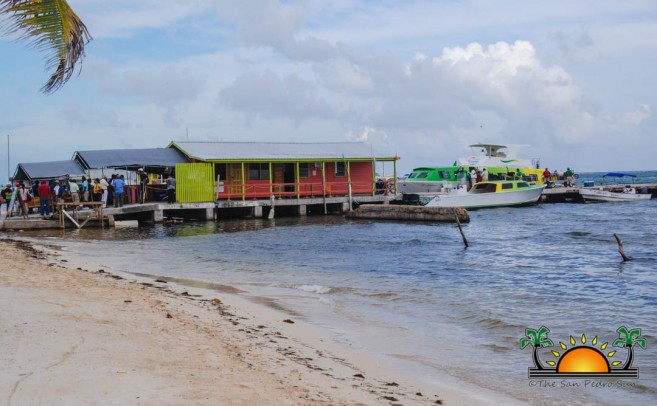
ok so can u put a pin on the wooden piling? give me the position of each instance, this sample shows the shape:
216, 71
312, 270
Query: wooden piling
621, 251
458, 223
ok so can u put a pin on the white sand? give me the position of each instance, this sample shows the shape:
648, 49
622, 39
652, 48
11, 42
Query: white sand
71, 337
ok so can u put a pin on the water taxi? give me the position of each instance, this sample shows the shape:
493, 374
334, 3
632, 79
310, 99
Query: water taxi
500, 161
490, 194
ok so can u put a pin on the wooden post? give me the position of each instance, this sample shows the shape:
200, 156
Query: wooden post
270, 216
621, 251
324, 185
458, 223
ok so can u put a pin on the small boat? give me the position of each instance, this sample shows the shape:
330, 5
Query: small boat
490, 194
628, 194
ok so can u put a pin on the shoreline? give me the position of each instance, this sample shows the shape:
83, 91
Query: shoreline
260, 345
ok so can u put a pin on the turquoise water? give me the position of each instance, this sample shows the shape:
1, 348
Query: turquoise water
412, 295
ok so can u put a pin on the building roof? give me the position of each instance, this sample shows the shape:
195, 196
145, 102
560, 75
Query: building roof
47, 170
130, 159
272, 151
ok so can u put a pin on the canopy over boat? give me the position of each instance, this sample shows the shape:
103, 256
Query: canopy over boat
496, 155
618, 175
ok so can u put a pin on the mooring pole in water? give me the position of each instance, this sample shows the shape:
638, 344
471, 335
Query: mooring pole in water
271, 212
621, 251
458, 223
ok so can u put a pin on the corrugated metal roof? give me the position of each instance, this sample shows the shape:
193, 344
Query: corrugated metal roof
129, 158
209, 151
48, 170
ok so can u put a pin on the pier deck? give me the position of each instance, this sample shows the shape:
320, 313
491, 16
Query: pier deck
156, 212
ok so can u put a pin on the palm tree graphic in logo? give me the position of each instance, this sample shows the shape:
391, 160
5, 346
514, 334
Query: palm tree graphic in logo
584, 359
537, 339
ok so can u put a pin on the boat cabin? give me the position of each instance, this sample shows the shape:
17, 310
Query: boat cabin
498, 187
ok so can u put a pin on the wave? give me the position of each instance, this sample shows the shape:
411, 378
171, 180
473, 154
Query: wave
314, 289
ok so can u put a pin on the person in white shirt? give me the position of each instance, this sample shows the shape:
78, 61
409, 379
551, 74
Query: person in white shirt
103, 187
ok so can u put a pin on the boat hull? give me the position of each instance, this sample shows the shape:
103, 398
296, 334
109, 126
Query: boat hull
597, 195
488, 200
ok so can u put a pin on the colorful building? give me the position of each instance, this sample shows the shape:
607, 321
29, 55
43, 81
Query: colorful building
260, 170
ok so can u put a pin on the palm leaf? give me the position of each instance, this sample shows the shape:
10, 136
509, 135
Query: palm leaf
53, 26
635, 333
642, 342
619, 343
525, 341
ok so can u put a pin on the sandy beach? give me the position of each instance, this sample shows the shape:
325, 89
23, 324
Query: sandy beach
77, 335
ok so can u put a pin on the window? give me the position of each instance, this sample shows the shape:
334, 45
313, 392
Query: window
412, 175
259, 171
507, 186
340, 169
423, 175
523, 184
304, 170
445, 175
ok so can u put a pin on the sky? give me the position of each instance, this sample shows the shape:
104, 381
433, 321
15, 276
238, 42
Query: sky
575, 81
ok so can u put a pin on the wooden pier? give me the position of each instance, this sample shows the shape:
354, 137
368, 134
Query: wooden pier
158, 212
411, 213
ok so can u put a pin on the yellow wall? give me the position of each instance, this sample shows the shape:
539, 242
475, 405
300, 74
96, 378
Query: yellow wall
194, 183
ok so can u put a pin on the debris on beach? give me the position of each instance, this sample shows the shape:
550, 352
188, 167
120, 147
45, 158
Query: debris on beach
359, 376
288, 321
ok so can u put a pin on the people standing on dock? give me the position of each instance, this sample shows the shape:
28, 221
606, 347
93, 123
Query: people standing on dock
171, 189
119, 185
84, 189
44, 198
24, 197
569, 176
74, 189
546, 176
110, 190
473, 177
97, 191
6, 194
484, 175
103, 187
58, 194
143, 182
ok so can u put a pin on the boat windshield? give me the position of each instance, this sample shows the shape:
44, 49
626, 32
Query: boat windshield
483, 188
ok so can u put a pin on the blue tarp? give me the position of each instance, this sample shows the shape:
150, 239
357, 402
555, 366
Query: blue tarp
619, 175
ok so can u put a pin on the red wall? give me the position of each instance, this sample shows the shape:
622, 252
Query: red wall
361, 183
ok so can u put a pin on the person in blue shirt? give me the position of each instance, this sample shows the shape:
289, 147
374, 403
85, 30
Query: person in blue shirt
119, 184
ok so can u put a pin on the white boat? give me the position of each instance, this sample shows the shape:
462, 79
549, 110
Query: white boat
628, 194
501, 162
490, 194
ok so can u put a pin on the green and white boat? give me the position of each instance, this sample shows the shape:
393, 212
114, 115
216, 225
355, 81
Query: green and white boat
490, 194
501, 163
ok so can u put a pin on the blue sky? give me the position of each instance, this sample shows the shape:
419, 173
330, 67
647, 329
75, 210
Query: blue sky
421, 79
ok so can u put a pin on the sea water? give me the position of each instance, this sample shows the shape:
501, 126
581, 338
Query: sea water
411, 294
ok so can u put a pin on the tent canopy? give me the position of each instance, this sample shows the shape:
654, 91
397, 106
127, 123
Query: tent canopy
153, 160
48, 170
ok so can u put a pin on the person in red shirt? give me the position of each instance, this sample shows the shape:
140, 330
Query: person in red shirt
546, 175
44, 198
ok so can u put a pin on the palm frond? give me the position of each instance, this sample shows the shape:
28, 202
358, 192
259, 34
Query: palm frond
53, 26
